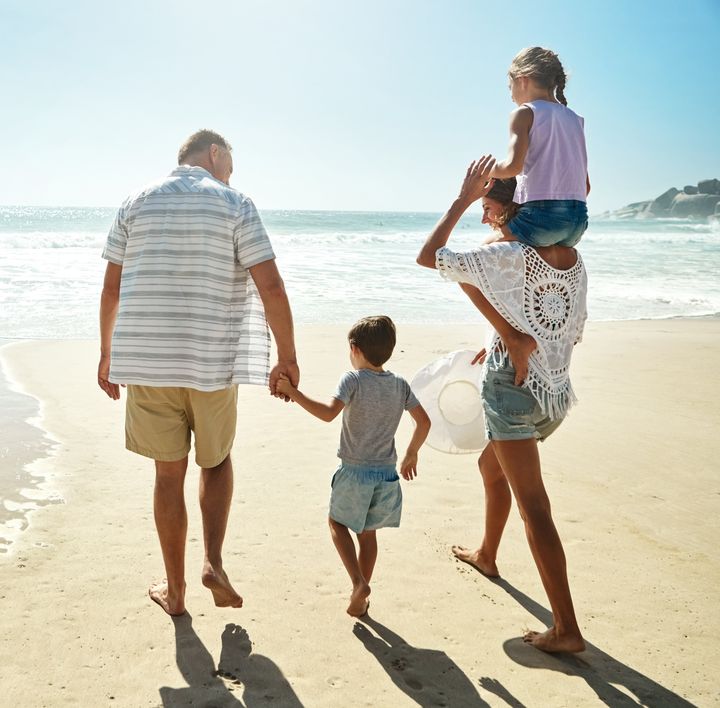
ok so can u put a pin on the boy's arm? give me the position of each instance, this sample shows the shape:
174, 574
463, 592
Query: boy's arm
521, 121
408, 467
324, 411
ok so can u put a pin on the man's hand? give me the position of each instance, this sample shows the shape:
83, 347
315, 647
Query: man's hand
284, 388
477, 182
112, 390
408, 468
288, 369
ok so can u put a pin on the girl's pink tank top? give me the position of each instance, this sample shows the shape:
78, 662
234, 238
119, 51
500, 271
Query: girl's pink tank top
556, 161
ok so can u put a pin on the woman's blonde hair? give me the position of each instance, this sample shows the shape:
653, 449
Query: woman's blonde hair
543, 67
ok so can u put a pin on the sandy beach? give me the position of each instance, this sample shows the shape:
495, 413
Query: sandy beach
632, 474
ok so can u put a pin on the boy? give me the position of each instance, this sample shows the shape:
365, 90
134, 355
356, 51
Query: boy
366, 491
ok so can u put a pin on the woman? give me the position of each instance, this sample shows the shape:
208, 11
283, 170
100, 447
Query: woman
541, 294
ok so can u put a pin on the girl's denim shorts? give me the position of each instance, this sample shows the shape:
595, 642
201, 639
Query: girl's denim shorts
512, 412
550, 222
366, 497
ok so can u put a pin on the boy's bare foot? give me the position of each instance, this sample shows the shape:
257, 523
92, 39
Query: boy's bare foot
359, 602
172, 604
520, 346
216, 580
550, 641
476, 560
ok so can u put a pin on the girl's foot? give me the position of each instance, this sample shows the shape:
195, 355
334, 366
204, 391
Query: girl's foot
476, 559
520, 346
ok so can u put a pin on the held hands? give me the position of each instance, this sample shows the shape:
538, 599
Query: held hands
284, 369
477, 182
284, 388
408, 468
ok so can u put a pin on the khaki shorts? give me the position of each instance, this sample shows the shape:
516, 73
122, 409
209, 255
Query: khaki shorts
158, 421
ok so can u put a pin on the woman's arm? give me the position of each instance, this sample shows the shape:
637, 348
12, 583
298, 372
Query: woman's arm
521, 121
475, 186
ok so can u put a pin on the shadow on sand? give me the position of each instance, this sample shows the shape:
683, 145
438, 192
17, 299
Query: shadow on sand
428, 676
241, 678
600, 670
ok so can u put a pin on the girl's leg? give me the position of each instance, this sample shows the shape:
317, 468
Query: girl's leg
367, 540
497, 509
519, 345
521, 464
346, 550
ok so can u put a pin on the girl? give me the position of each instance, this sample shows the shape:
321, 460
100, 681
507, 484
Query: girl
547, 154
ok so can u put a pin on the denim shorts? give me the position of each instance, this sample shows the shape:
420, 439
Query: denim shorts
512, 412
550, 222
366, 497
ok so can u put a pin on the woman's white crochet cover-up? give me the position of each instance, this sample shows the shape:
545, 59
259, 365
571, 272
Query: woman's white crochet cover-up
534, 297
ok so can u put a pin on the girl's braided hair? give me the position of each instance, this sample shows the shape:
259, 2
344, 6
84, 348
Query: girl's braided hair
542, 66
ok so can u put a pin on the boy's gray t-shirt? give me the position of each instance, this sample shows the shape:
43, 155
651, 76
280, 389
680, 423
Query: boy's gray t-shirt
374, 403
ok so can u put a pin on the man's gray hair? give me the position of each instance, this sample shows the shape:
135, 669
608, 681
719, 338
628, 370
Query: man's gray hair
199, 142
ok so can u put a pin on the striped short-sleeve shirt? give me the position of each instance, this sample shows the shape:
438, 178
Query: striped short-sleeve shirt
189, 312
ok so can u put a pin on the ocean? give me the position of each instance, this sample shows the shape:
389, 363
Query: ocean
337, 267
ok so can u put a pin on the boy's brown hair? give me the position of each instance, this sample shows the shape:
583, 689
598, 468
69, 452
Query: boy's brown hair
374, 337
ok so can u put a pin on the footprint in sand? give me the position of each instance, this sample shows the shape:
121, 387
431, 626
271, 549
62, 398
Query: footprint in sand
399, 664
414, 684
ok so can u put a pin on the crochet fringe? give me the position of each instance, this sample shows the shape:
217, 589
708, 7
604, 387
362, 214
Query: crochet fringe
554, 403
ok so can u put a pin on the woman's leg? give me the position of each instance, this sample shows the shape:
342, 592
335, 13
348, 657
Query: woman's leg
497, 509
520, 462
367, 540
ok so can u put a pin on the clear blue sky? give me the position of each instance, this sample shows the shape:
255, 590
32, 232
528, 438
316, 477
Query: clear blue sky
332, 104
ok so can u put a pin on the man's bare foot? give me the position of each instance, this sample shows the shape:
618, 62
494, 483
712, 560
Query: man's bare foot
359, 602
550, 641
216, 580
173, 604
476, 560
520, 346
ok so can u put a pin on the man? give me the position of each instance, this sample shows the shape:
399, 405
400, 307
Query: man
181, 325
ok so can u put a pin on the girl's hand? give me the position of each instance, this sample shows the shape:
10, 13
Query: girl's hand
479, 357
477, 182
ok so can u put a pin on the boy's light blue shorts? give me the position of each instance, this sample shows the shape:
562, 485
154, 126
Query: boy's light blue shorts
366, 497
550, 222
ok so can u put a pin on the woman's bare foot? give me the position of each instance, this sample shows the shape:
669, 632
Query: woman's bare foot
173, 604
359, 602
550, 641
520, 346
476, 560
216, 580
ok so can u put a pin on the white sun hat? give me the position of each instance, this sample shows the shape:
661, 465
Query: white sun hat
449, 390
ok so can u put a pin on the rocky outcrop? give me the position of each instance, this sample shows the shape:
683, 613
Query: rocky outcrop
693, 202
694, 206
